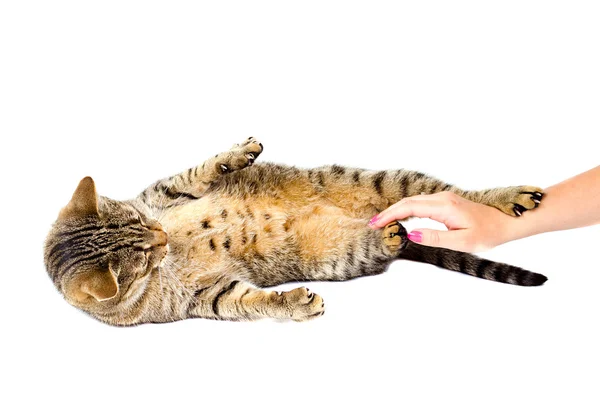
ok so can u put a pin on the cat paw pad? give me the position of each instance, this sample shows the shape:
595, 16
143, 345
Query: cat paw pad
250, 146
394, 236
240, 156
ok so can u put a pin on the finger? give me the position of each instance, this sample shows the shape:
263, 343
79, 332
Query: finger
434, 209
437, 197
454, 240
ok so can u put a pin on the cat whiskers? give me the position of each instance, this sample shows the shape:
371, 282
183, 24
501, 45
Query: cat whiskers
160, 210
173, 276
160, 283
165, 204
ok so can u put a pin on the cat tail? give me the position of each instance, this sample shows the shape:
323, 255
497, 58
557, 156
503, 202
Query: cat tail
471, 265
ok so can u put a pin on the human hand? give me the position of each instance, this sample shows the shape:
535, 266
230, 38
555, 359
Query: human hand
471, 226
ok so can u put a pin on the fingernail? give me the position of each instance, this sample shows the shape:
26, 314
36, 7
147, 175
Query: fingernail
374, 220
415, 236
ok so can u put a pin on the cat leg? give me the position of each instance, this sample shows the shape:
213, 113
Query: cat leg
510, 200
239, 300
192, 183
365, 193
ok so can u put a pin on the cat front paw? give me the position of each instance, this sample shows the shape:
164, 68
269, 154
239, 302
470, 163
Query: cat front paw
251, 148
514, 201
301, 304
240, 156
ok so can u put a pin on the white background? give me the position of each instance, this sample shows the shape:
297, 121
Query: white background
481, 94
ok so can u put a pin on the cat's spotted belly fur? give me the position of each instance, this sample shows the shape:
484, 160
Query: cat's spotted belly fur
211, 233
260, 241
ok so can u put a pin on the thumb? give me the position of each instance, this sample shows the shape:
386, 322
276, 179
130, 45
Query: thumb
454, 240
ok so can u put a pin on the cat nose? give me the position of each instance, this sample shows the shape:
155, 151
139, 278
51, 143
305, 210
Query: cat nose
159, 238
154, 226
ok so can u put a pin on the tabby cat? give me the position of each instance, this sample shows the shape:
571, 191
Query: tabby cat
202, 243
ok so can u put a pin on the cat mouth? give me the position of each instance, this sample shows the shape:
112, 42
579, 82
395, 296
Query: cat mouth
160, 241
164, 251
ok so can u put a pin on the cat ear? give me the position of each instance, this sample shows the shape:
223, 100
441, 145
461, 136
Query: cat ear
100, 284
84, 201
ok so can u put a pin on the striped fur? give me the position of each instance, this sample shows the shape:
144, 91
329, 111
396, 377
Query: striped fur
233, 228
472, 265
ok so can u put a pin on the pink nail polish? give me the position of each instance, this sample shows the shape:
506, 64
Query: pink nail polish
415, 236
373, 220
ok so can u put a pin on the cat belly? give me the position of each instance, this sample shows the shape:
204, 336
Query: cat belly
210, 231
262, 241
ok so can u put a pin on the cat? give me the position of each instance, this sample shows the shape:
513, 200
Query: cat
204, 242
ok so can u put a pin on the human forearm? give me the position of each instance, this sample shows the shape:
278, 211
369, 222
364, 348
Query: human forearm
572, 203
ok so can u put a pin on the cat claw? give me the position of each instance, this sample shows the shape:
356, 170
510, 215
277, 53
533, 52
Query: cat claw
518, 209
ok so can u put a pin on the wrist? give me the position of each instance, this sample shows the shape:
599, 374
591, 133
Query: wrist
514, 228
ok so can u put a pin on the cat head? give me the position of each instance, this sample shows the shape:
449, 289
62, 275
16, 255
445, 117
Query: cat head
99, 250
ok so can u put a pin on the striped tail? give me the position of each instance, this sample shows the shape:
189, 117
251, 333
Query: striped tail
471, 265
